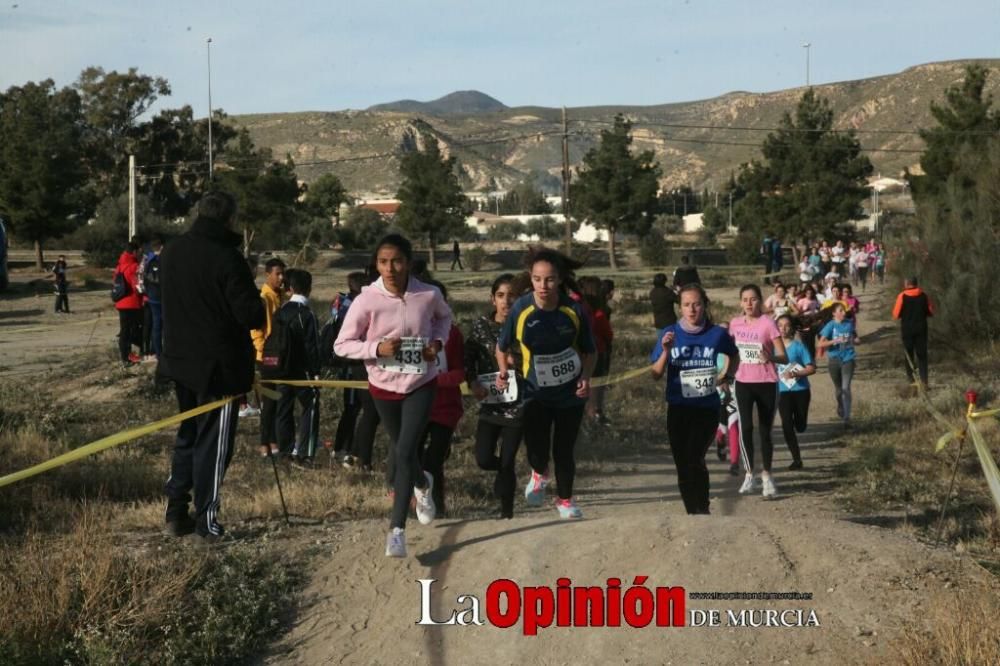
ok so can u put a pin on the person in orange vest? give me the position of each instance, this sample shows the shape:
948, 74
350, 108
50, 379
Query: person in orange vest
912, 309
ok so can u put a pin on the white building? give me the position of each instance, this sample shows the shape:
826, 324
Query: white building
481, 221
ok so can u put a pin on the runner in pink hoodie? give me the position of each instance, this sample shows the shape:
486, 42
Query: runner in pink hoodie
398, 326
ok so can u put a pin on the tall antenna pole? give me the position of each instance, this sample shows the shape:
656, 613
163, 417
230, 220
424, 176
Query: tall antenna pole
806, 47
211, 162
132, 226
565, 184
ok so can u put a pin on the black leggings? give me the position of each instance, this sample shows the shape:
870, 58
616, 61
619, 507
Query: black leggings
487, 434
690, 431
364, 432
764, 395
915, 347
794, 409
552, 430
435, 449
348, 420
129, 331
405, 421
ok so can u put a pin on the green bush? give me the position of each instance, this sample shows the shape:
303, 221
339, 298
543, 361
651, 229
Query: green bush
508, 230
104, 239
668, 224
475, 257
362, 229
745, 249
655, 250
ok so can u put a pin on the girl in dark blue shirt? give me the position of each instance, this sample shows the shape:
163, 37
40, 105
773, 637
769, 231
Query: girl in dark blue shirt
557, 354
686, 352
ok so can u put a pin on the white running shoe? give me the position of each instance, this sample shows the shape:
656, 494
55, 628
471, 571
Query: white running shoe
425, 503
248, 411
770, 490
748, 484
534, 492
568, 510
395, 543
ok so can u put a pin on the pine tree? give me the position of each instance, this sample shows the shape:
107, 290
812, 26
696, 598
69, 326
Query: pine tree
965, 121
616, 190
811, 181
431, 203
41, 172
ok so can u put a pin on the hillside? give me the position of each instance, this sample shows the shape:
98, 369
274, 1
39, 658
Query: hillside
697, 142
461, 102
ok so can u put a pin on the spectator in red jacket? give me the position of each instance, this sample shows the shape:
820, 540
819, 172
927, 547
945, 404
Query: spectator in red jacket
446, 411
130, 307
594, 297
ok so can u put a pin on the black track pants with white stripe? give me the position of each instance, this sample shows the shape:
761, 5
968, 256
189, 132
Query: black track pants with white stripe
202, 451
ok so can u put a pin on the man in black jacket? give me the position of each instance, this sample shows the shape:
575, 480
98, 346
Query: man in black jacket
210, 303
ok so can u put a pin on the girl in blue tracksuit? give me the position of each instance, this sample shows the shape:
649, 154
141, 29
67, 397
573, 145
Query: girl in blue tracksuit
838, 337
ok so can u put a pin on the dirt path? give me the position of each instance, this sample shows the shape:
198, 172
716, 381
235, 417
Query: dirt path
867, 583
361, 607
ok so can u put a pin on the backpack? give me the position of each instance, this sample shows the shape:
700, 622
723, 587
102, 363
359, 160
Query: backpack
119, 287
276, 358
331, 329
151, 273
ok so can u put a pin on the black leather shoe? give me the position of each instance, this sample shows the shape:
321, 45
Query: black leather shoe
179, 527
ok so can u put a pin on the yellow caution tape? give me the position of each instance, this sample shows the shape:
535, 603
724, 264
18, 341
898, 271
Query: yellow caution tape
986, 462
620, 377
318, 383
135, 433
355, 384
109, 442
47, 327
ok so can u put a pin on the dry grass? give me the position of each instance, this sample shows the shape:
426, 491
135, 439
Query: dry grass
896, 479
87, 578
959, 629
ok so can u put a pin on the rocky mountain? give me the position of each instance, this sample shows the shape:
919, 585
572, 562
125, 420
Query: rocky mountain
697, 143
456, 103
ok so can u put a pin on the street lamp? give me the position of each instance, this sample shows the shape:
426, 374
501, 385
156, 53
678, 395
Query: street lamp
211, 165
806, 47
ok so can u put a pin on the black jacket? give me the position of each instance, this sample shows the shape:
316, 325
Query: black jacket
300, 323
663, 300
210, 303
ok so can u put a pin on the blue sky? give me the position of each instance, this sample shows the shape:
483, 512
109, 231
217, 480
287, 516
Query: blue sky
313, 55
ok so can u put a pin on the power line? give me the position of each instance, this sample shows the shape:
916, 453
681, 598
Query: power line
748, 144
740, 128
341, 160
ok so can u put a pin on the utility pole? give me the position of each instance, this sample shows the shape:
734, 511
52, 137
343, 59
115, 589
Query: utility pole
730, 211
211, 163
131, 198
806, 47
565, 184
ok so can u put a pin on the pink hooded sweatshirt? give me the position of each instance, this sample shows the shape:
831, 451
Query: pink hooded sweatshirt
377, 314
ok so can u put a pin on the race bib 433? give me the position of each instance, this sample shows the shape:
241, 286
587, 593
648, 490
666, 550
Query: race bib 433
409, 359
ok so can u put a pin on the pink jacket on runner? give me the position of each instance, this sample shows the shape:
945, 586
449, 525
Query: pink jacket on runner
377, 314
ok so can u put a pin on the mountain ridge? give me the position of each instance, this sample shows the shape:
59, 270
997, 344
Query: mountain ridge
698, 143
458, 102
